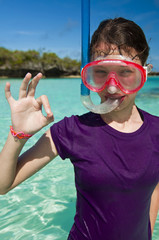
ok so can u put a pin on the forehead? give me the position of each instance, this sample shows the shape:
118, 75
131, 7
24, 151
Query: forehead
103, 50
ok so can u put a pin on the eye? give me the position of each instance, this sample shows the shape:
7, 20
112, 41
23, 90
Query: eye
100, 73
125, 72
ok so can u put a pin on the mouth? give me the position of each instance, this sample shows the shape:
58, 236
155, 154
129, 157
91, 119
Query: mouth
115, 97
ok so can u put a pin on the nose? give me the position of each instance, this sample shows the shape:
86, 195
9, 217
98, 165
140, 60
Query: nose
112, 85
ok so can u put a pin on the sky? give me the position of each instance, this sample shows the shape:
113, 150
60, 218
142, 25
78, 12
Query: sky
55, 25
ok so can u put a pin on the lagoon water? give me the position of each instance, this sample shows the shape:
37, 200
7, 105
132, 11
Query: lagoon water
43, 207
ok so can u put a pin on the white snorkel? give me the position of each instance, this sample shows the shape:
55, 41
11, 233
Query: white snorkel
109, 104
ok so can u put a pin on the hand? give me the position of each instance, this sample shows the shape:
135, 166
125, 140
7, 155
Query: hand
26, 112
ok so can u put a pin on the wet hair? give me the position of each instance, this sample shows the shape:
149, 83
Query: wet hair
124, 34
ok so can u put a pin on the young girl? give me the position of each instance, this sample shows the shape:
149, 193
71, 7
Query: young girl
115, 155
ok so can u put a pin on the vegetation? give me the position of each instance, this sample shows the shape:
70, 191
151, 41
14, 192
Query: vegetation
17, 58
33, 60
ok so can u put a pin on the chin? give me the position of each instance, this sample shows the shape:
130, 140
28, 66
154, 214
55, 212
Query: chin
121, 106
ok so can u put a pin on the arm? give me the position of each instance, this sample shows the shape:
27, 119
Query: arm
154, 207
27, 117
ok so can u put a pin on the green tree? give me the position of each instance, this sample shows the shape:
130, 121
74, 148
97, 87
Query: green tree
50, 58
5, 56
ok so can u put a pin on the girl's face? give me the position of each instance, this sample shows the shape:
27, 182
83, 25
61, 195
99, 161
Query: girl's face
126, 100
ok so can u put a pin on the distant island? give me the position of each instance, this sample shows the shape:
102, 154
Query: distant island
153, 74
15, 64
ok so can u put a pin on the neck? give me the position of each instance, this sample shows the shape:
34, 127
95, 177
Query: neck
125, 120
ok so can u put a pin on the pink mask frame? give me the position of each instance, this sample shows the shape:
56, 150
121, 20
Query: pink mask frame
113, 76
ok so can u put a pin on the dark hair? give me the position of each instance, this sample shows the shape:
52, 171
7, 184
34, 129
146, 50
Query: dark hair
124, 34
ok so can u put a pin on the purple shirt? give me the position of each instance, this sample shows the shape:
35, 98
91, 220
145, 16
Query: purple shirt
115, 175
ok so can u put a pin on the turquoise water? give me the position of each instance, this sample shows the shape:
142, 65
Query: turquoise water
43, 207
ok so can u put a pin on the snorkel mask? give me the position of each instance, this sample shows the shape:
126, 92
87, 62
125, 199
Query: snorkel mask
113, 72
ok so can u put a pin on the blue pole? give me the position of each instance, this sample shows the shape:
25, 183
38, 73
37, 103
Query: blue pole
85, 7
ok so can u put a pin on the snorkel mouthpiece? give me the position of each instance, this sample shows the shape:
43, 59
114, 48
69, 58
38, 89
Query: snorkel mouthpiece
105, 107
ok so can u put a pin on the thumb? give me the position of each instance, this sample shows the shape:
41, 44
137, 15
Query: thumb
48, 119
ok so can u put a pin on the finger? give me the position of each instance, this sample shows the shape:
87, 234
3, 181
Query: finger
24, 86
8, 93
43, 100
33, 84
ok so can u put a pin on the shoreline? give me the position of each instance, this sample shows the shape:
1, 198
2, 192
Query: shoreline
71, 76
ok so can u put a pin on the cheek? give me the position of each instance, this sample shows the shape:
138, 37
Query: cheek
129, 98
132, 96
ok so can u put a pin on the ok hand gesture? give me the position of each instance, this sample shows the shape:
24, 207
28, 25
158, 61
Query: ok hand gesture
26, 112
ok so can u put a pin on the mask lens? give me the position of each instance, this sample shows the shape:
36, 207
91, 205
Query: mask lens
129, 77
96, 77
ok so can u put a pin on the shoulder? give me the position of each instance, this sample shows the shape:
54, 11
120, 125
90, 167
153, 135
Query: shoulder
69, 133
87, 119
64, 124
151, 121
76, 124
149, 117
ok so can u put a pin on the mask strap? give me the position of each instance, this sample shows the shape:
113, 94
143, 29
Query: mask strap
148, 69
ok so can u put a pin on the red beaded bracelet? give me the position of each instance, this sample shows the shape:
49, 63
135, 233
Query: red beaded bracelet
19, 135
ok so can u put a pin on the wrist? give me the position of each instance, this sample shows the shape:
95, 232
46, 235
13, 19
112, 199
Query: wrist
19, 135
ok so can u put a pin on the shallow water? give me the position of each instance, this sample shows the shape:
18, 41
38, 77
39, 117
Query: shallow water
43, 207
